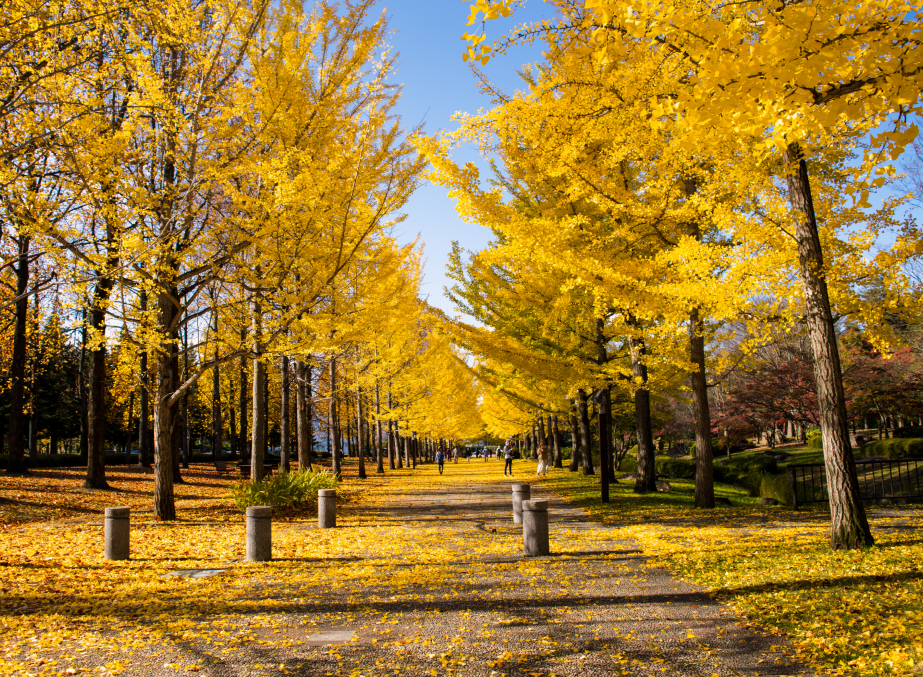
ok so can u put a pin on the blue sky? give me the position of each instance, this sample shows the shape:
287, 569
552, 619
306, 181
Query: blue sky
438, 84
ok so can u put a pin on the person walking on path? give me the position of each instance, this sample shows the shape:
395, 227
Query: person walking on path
440, 458
543, 459
508, 458
455, 453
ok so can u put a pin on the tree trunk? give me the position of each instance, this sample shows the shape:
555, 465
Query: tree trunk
605, 439
187, 429
258, 447
164, 414
82, 394
232, 417
144, 414
303, 414
16, 462
647, 475
130, 427
174, 416
283, 419
360, 441
379, 457
334, 424
96, 414
585, 432
704, 469
217, 422
849, 524
244, 396
556, 438
33, 426
574, 439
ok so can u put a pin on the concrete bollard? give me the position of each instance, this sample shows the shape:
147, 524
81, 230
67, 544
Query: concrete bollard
535, 527
521, 492
326, 508
115, 532
259, 533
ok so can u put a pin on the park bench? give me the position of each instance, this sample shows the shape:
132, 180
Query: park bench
221, 467
268, 469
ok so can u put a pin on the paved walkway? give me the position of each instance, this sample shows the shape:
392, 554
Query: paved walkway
455, 597
431, 581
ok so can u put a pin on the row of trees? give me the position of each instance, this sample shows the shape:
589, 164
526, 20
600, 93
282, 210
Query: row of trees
213, 187
668, 169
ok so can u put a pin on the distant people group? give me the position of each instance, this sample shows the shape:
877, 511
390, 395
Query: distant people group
506, 452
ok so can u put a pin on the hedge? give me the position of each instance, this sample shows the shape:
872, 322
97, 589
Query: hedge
895, 448
778, 487
816, 442
676, 468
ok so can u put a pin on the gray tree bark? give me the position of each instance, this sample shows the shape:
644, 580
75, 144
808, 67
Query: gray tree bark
284, 464
647, 475
849, 524
258, 445
704, 467
586, 440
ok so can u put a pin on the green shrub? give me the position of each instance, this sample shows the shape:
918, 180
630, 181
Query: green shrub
816, 442
284, 490
718, 446
628, 464
677, 468
778, 487
895, 448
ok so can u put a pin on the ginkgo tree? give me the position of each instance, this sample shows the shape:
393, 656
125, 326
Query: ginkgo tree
778, 81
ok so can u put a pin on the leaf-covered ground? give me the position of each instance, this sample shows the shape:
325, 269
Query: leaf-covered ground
425, 576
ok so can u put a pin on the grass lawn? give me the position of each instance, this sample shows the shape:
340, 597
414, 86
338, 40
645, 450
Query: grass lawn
848, 613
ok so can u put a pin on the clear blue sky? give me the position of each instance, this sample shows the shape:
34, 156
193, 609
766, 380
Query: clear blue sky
438, 84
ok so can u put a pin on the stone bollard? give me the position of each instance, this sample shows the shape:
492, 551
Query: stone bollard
326, 508
259, 533
535, 527
521, 492
115, 531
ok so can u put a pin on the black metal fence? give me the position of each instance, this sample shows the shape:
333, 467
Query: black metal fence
879, 480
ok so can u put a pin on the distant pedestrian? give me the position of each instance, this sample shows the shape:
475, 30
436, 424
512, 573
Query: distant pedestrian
440, 458
544, 456
508, 458
455, 453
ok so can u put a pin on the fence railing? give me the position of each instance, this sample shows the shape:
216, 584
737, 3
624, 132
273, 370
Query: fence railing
879, 480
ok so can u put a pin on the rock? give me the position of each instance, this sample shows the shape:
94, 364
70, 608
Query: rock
768, 501
629, 476
663, 486
721, 500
